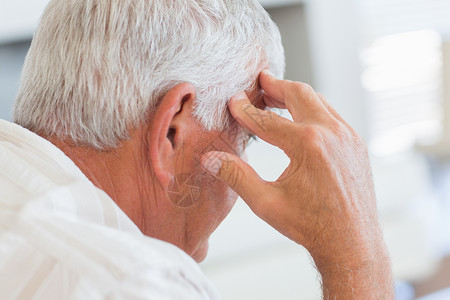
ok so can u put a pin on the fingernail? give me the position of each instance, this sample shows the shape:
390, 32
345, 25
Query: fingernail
211, 162
239, 96
267, 72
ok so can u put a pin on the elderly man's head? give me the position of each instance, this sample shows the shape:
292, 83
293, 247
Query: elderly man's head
144, 84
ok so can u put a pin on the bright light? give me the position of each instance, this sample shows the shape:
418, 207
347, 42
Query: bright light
403, 79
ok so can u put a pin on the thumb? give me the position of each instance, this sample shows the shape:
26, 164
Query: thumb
239, 176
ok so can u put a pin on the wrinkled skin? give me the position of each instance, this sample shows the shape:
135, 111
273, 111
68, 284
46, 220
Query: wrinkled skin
325, 198
156, 178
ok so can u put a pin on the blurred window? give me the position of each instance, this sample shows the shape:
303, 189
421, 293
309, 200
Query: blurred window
402, 70
402, 75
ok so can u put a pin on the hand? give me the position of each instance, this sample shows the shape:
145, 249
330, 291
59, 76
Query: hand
325, 198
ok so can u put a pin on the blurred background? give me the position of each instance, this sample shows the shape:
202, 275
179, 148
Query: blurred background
385, 66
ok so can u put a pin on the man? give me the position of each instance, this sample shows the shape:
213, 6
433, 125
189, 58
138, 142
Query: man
124, 151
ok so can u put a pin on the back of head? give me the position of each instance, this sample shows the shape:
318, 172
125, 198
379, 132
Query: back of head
97, 67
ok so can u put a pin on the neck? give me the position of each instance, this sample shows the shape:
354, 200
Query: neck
126, 175
119, 172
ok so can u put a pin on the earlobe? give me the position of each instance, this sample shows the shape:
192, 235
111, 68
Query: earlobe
163, 134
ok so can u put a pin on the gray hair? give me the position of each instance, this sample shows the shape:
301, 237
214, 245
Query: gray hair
97, 67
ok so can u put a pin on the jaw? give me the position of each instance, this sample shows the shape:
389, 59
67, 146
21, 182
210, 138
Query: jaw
201, 252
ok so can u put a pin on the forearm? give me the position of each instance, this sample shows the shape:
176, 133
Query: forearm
362, 277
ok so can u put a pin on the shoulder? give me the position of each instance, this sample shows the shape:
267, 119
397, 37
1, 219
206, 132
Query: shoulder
62, 238
99, 264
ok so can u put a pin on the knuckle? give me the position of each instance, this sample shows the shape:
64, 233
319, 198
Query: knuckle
321, 96
246, 106
349, 134
233, 176
312, 138
338, 128
271, 114
262, 118
311, 134
302, 88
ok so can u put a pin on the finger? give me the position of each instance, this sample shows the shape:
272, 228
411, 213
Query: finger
300, 99
273, 103
240, 177
265, 124
331, 109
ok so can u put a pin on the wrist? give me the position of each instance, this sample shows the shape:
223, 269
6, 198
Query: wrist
361, 274
352, 246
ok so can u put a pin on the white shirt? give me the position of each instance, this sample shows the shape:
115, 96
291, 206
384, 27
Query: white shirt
63, 238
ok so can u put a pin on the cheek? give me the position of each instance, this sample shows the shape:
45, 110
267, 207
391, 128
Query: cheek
219, 198
216, 201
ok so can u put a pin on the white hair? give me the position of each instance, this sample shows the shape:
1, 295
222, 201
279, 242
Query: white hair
97, 67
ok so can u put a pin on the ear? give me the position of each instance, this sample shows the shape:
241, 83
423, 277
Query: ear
165, 135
